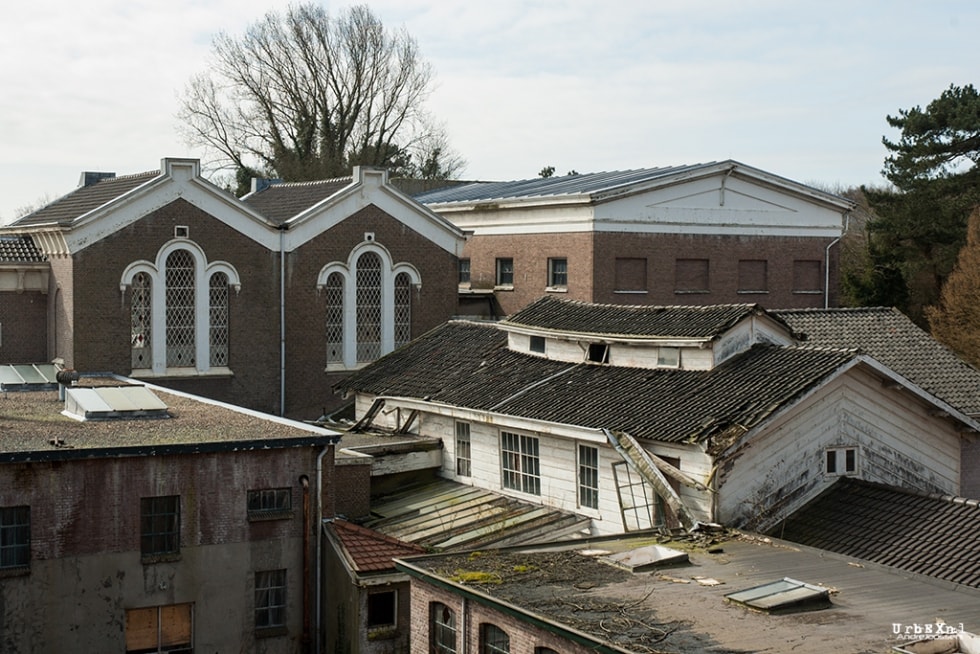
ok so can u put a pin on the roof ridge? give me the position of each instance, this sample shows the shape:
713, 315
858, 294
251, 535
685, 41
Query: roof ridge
312, 182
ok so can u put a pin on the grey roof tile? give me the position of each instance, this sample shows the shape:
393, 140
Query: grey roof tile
82, 200
891, 338
19, 249
283, 200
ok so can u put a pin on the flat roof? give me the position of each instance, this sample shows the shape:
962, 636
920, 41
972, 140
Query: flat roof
33, 427
683, 609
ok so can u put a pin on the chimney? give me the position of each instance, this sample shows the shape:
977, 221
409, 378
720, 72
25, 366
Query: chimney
89, 177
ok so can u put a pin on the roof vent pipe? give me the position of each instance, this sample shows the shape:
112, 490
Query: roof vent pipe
65, 378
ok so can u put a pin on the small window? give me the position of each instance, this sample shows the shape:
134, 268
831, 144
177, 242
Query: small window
270, 503
464, 272
631, 275
463, 461
160, 525
442, 629
669, 357
15, 537
753, 276
557, 273
493, 639
598, 353
807, 277
841, 461
381, 610
588, 476
505, 272
537, 344
160, 629
691, 276
270, 599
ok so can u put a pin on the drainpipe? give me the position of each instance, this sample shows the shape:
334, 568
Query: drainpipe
319, 545
282, 319
826, 265
305, 482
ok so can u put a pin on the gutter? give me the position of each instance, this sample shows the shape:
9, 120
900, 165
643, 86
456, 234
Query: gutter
282, 319
317, 622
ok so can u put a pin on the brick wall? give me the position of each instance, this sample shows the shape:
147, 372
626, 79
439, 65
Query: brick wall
23, 321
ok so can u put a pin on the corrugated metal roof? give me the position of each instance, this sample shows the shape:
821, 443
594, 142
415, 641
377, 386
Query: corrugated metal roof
577, 184
446, 515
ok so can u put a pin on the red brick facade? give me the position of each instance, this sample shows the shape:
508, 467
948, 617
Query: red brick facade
23, 320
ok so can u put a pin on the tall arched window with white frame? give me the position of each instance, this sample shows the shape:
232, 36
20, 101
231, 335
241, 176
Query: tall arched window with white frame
334, 292
181, 319
369, 296
140, 321
219, 314
403, 309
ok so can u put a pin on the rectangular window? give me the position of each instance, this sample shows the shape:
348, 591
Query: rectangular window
15, 537
536, 344
588, 476
270, 503
160, 525
807, 277
160, 629
381, 609
631, 275
669, 357
505, 272
464, 272
840, 461
270, 599
598, 353
463, 461
442, 629
691, 276
557, 273
520, 463
753, 276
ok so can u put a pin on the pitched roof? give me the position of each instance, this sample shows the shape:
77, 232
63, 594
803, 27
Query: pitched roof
283, 200
84, 199
369, 550
19, 249
618, 320
891, 338
470, 365
937, 536
577, 184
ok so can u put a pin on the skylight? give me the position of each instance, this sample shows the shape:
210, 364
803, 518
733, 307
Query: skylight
28, 377
783, 596
113, 402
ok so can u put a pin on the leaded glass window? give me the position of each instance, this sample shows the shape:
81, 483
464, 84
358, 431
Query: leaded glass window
403, 309
368, 307
181, 345
219, 319
334, 292
140, 319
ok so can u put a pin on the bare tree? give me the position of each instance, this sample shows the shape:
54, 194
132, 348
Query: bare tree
304, 95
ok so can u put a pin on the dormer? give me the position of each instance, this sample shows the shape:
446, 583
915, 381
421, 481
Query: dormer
679, 337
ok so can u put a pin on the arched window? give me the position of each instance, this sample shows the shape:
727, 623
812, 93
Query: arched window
218, 306
493, 639
334, 291
368, 307
181, 341
442, 629
403, 309
141, 313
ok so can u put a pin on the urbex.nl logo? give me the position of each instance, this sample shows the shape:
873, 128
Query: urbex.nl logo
924, 631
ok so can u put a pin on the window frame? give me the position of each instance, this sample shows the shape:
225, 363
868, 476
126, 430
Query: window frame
841, 461
463, 272
464, 449
155, 512
557, 278
269, 503
520, 462
15, 537
493, 639
588, 476
392, 611
162, 627
537, 344
442, 624
271, 599
504, 272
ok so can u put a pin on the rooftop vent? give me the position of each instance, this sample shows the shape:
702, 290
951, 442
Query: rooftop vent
113, 403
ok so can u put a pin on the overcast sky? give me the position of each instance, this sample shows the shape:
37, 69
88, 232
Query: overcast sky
800, 89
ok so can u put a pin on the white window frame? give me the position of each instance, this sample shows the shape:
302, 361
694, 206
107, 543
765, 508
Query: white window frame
157, 272
348, 274
464, 460
520, 462
500, 271
587, 480
553, 284
835, 461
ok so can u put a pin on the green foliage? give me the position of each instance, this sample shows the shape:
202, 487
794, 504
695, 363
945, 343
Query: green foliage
955, 319
919, 226
547, 171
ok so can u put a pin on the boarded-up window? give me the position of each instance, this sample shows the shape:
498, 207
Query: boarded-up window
807, 277
160, 629
631, 275
753, 276
691, 276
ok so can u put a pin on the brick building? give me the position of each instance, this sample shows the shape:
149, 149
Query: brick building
703, 234
263, 302
134, 518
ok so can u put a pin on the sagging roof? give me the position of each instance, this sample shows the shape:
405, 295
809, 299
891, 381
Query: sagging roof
368, 550
19, 249
33, 427
891, 338
469, 365
446, 515
565, 591
69, 208
282, 200
932, 535
702, 322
